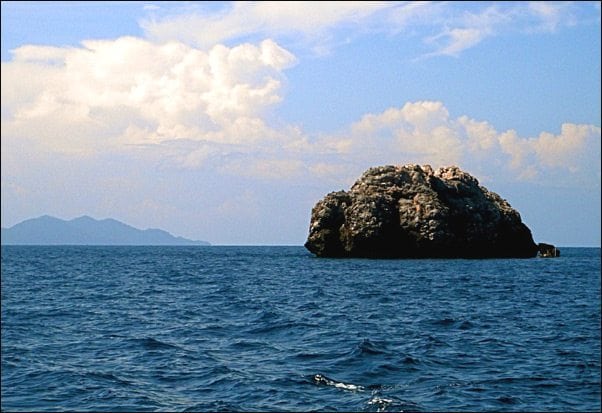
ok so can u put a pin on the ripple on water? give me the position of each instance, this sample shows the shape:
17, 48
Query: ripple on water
274, 329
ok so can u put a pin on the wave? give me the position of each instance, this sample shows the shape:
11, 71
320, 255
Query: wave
322, 380
149, 343
251, 329
391, 404
447, 321
214, 406
367, 347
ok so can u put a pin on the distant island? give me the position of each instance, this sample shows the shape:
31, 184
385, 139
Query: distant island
48, 230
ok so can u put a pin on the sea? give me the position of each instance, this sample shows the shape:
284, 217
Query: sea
274, 328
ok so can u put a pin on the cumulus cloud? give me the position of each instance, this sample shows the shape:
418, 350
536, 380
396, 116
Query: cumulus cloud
92, 122
575, 150
132, 91
192, 109
424, 132
419, 131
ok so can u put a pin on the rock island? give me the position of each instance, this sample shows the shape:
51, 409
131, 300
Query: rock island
413, 211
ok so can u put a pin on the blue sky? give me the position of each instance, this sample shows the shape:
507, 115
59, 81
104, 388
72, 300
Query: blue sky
227, 121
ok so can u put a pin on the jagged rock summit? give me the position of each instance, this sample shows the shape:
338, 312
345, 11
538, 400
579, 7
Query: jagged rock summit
415, 211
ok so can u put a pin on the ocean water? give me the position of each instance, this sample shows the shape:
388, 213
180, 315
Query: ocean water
276, 329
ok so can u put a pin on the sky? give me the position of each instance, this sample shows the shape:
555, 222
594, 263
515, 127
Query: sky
227, 121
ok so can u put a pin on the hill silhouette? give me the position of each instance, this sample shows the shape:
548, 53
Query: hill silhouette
48, 230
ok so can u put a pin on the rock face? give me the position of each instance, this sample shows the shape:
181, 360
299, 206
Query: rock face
414, 211
547, 250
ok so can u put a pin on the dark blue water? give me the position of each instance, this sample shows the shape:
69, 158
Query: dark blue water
275, 329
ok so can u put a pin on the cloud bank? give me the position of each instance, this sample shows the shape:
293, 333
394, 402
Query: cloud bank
131, 91
176, 104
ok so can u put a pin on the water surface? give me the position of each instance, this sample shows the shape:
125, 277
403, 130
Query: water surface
276, 329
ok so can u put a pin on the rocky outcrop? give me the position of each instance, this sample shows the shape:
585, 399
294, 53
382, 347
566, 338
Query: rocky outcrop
547, 250
415, 211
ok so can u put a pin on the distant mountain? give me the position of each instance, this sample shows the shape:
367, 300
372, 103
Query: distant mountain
47, 230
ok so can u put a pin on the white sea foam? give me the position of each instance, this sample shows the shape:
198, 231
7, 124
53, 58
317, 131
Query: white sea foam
381, 402
320, 379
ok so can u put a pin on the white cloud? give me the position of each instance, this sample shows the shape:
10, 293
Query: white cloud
130, 91
457, 40
413, 13
461, 28
424, 132
550, 14
311, 20
418, 131
187, 110
192, 109
480, 135
571, 149
575, 152
152, 7
447, 28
